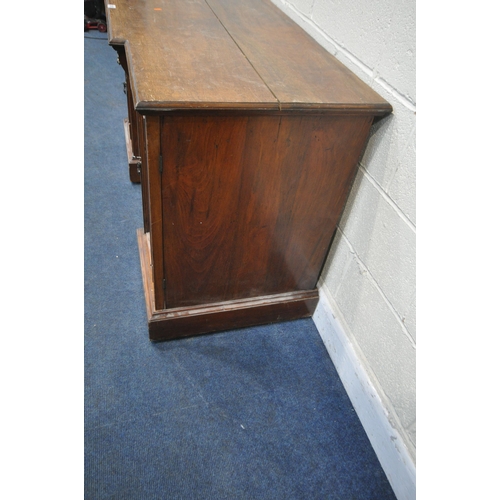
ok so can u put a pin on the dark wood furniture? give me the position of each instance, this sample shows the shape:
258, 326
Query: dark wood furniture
247, 134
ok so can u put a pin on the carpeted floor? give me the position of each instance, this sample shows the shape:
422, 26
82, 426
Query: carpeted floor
258, 413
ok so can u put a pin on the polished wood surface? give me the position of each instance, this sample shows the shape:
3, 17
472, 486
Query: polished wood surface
248, 134
297, 70
165, 324
205, 68
244, 216
222, 54
154, 204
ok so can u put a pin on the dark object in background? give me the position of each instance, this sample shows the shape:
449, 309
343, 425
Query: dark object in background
94, 24
94, 15
95, 9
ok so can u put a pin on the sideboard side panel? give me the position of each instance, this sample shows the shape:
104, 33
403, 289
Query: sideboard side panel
250, 203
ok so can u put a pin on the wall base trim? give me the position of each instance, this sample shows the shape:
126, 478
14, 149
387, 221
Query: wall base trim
387, 442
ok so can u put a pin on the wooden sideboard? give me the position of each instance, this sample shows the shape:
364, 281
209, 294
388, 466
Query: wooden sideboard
245, 135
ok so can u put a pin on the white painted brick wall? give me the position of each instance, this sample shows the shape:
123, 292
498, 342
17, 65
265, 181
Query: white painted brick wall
381, 34
383, 240
389, 157
370, 272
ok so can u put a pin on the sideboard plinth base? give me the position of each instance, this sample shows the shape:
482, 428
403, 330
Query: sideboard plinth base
166, 324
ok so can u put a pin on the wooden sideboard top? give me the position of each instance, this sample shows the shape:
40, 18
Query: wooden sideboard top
227, 55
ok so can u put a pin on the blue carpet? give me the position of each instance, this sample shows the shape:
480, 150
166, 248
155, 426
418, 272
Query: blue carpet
258, 413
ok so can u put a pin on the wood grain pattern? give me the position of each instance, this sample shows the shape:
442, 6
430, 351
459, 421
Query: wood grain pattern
153, 203
187, 321
249, 134
250, 203
196, 64
299, 72
222, 54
